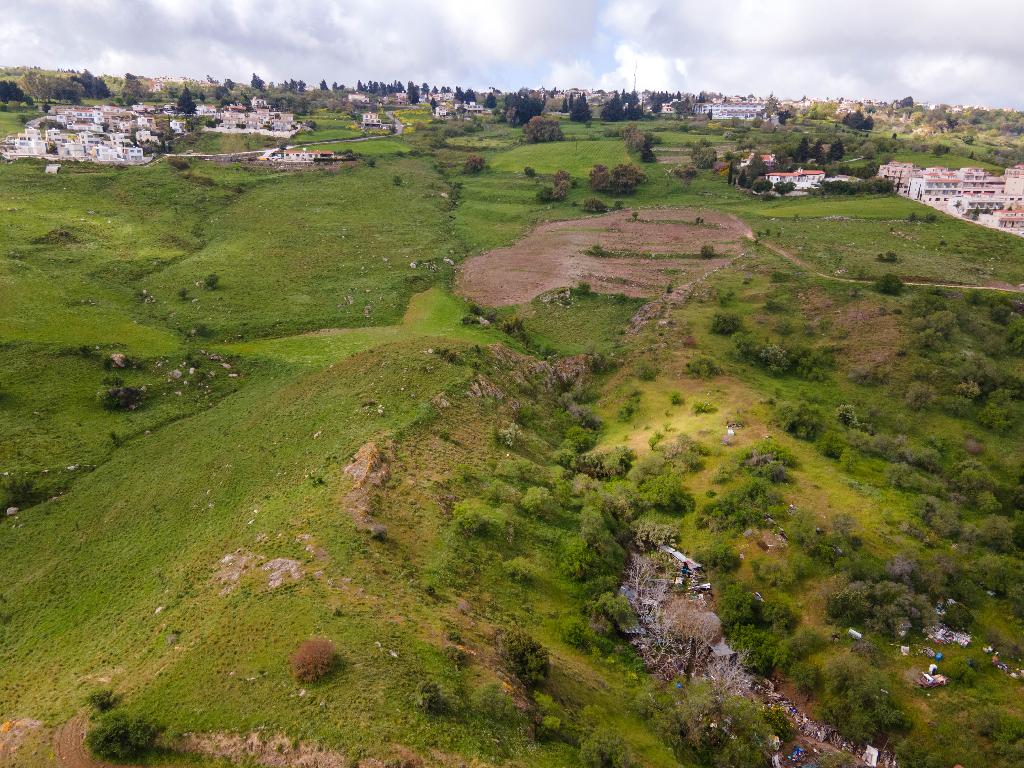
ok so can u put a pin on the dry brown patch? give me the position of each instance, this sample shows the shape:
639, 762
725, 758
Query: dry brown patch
552, 255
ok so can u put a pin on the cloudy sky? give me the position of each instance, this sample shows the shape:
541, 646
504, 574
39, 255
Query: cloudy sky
935, 50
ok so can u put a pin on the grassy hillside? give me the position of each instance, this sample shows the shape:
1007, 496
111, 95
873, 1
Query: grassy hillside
190, 513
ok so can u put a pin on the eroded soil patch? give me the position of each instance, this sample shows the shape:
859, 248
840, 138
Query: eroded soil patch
660, 248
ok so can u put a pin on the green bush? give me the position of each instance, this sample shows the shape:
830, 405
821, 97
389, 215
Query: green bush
726, 323
526, 658
539, 501
702, 367
429, 698
119, 736
594, 205
102, 700
802, 420
665, 493
889, 284
604, 748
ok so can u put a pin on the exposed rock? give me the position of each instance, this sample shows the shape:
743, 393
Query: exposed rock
280, 569
231, 568
118, 360
175, 374
12, 511
369, 469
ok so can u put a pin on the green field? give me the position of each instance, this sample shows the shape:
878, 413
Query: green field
275, 323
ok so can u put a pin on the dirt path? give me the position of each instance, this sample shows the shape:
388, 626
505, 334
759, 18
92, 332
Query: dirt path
614, 253
69, 746
804, 264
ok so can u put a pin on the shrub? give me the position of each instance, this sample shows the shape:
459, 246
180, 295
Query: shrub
726, 323
539, 501
529, 171
102, 700
802, 420
527, 659
604, 749
665, 493
702, 367
704, 156
889, 284
600, 178
575, 632
178, 163
313, 660
121, 398
594, 205
474, 164
721, 556
519, 569
429, 698
118, 736
211, 281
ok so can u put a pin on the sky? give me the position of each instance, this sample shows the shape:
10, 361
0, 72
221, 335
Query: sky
933, 50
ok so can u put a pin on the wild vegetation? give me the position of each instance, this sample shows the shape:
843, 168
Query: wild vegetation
271, 474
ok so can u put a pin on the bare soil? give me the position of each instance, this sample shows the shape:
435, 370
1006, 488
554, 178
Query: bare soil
660, 248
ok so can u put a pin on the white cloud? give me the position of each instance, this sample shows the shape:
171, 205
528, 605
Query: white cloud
931, 49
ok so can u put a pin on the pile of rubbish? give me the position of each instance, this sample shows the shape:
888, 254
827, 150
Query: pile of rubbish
820, 732
943, 635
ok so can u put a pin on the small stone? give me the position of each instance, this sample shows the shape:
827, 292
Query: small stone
175, 374
12, 511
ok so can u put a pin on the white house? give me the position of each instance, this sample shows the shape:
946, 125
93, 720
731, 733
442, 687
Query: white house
30, 143
800, 178
744, 110
371, 120
177, 126
301, 155
473, 108
441, 112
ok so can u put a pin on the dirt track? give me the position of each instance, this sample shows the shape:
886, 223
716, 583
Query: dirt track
69, 745
659, 248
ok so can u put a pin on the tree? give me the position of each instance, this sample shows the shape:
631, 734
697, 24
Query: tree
579, 112
323, 85
836, 151
542, 129
802, 152
10, 91
186, 105
856, 701
612, 111
257, 82
132, 91
413, 92
490, 102
600, 180
625, 178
